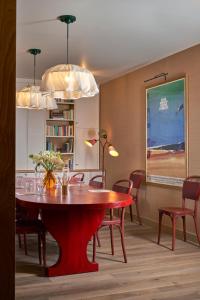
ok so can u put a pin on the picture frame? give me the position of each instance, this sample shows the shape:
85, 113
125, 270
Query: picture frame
166, 133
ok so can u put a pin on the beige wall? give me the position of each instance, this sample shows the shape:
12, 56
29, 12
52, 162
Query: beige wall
123, 115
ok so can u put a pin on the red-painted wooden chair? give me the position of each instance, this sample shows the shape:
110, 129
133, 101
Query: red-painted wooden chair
27, 222
96, 182
121, 186
78, 177
137, 177
190, 191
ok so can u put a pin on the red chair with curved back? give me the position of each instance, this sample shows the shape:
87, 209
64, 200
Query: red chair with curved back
96, 181
78, 177
190, 191
137, 177
27, 222
121, 186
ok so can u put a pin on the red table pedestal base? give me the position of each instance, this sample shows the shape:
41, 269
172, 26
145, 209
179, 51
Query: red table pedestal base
72, 228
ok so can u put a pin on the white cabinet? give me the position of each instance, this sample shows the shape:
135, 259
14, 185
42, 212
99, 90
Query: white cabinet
36, 133
30, 136
86, 127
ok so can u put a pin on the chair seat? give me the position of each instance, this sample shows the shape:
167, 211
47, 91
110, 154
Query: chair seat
29, 226
179, 211
107, 221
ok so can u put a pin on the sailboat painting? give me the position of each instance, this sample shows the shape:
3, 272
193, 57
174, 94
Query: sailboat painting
166, 146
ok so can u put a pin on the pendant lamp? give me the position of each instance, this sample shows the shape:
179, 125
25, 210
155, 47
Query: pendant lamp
31, 97
69, 81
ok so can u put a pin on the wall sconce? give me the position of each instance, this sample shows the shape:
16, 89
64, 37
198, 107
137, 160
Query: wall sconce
103, 140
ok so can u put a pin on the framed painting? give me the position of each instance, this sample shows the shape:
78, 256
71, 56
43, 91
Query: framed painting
166, 133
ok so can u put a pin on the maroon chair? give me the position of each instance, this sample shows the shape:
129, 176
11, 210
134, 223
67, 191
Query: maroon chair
121, 186
190, 191
78, 177
27, 222
137, 177
96, 181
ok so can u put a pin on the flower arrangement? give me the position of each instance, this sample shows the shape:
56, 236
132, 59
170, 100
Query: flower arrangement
49, 160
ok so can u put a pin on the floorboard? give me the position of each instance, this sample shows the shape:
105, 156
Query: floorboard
152, 273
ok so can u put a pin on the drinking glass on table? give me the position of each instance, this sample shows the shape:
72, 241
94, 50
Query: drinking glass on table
29, 185
19, 182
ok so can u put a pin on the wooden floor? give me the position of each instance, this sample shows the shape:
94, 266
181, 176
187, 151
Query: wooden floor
152, 272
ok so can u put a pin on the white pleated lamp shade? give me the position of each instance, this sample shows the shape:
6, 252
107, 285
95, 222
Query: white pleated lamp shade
69, 82
32, 98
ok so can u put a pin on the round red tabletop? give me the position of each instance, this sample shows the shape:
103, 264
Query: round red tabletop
76, 195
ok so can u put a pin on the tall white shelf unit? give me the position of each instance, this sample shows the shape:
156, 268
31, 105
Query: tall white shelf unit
60, 130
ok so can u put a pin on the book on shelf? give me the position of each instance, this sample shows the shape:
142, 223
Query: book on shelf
60, 130
66, 147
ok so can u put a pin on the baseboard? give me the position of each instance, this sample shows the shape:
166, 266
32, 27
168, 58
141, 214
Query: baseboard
167, 229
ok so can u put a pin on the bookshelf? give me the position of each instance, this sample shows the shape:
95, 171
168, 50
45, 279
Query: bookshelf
60, 130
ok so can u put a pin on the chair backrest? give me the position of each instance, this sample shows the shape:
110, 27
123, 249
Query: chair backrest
96, 181
191, 188
77, 177
123, 186
137, 176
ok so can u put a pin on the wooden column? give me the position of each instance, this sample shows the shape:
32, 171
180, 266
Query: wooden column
7, 146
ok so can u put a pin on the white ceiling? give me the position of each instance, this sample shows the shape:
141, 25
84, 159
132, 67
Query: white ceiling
110, 37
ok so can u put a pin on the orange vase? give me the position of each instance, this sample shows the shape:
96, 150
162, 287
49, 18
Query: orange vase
49, 180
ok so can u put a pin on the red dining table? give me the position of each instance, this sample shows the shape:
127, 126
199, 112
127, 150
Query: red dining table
72, 220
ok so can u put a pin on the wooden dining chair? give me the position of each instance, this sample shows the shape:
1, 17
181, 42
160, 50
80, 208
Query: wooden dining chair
78, 177
27, 222
121, 186
137, 177
96, 181
190, 191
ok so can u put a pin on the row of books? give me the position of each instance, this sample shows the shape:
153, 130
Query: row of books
59, 130
66, 147
62, 114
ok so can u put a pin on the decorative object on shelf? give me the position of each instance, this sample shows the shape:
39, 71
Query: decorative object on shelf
103, 140
31, 96
50, 161
69, 81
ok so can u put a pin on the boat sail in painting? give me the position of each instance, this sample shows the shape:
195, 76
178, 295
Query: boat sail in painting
166, 159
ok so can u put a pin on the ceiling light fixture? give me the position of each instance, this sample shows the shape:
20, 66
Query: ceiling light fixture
69, 81
31, 97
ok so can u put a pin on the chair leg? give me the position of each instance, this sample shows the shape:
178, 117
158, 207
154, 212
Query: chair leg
111, 239
131, 212
44, 248
123, 244
138, 213
173, 232
25, 245
159, 226
196, 228
184, 228
40, 248
94, 248
98, 240
19, 240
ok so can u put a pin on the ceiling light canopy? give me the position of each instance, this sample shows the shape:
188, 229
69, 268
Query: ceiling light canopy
31, 97
69, 81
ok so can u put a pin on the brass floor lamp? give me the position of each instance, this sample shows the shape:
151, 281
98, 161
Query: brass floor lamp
105, 144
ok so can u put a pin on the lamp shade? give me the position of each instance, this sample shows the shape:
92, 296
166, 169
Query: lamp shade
112, 151
69, 82
31, 97
90, 143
